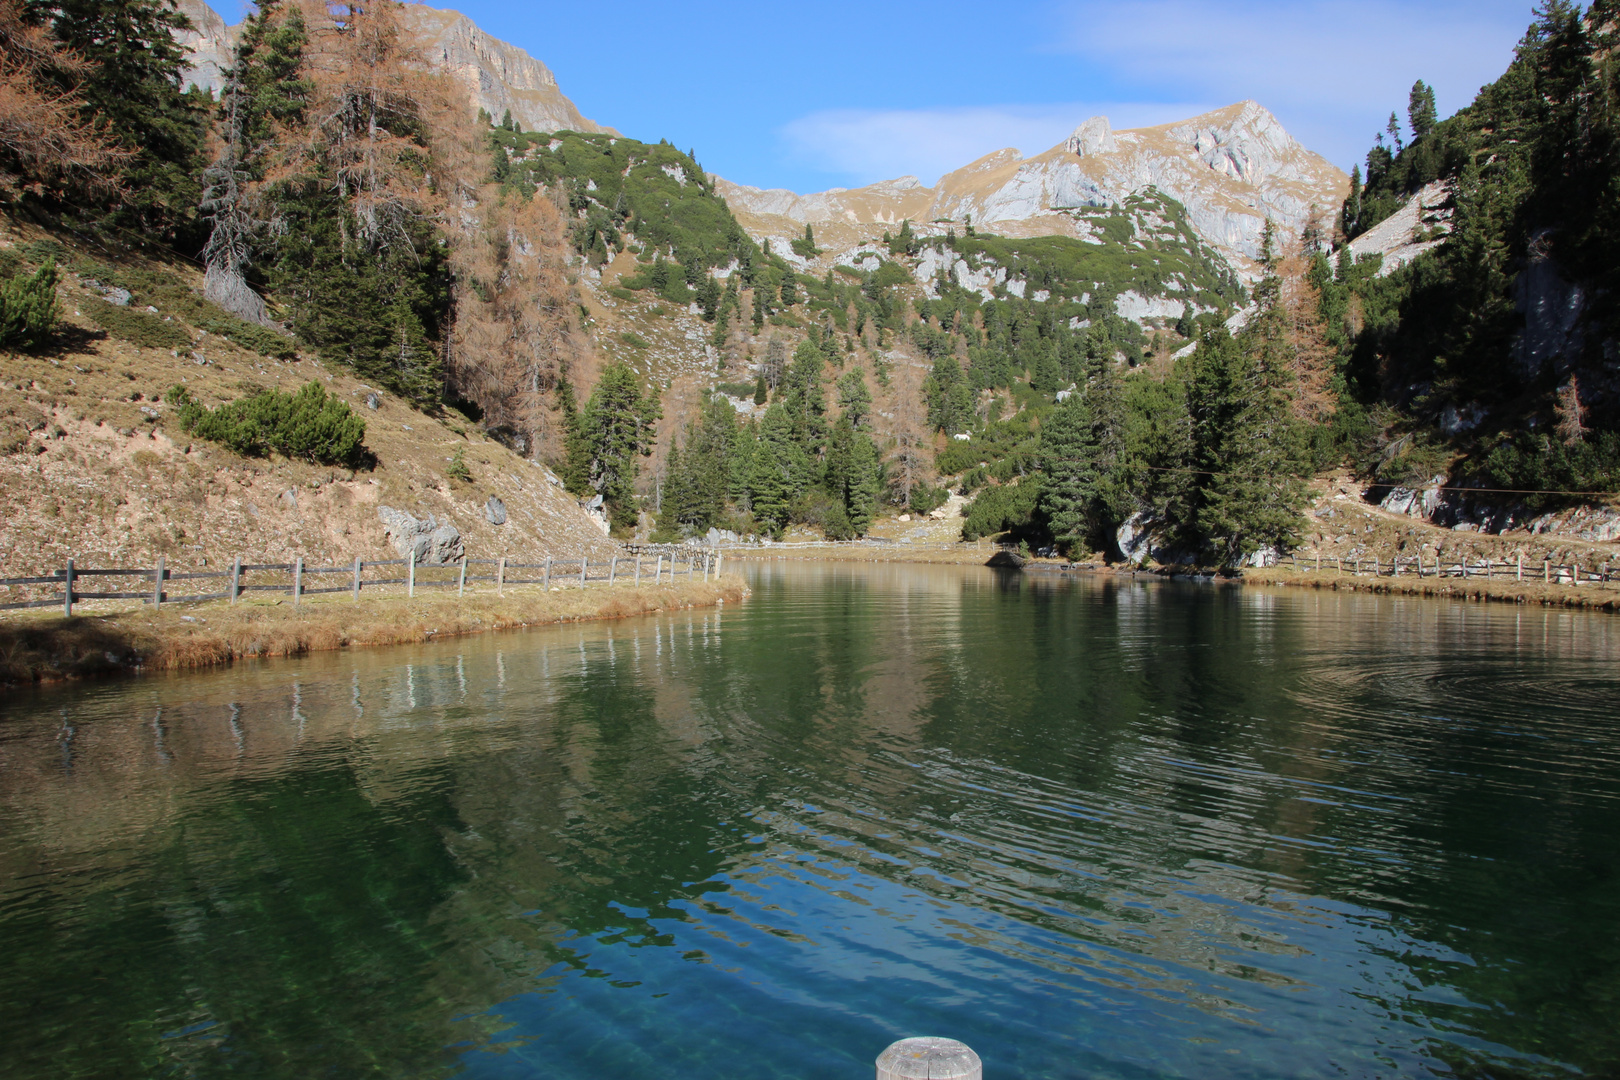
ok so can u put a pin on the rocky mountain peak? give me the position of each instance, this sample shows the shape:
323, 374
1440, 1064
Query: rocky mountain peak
1094, 136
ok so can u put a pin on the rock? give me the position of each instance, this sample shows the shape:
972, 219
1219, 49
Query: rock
1135, 539
1266, 556
495, 511
432, 543
373, 402
905, 517
289, 498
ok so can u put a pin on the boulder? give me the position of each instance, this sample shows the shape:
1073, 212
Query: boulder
432, 543
1135, 539
495, 511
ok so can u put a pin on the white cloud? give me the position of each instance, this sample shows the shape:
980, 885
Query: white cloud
1330, 70
867, 145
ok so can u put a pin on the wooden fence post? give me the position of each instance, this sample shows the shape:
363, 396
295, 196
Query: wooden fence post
638, 568
461, 583
1521, 567
410, 581
357, 579
690, 566
719, 561
500, 578
157, 583
298, 581
583, 563
67, 591
613, 569
658, 569
546, 581
236, 578
1546, 572
1575, 574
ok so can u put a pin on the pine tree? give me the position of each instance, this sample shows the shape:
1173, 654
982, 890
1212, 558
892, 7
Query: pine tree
854, 399
865, 483
1250, 493
614, 430
790, 289
132, 89
804, 398
264, 92
1420, 110
761, 394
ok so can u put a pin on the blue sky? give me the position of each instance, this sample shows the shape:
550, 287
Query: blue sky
840, 93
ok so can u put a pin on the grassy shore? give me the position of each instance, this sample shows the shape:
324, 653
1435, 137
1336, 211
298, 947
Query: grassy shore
48, 649
1590, 597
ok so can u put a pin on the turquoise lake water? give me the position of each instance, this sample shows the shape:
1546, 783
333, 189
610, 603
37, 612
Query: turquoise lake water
1091, 828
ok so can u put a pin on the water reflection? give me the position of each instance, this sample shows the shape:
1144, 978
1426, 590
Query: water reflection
1102, 829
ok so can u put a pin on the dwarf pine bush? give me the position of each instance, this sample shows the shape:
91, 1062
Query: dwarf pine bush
28, 311
309, 425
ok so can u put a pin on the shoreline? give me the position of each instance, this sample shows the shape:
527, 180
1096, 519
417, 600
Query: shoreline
193, 637
1579, 597
1574, 597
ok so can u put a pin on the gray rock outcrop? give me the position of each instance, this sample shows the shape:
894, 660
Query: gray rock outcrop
495, 511
498, 76
432, 543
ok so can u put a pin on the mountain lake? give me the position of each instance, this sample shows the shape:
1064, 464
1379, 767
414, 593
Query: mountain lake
1092, 827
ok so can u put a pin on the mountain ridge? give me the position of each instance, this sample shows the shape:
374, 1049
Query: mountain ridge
1232, 168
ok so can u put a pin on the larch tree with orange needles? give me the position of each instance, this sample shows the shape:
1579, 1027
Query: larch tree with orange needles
45, 143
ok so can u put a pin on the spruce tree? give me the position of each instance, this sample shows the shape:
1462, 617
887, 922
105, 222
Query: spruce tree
133, 91
1420, 110
854, 399
616, 427
864, 485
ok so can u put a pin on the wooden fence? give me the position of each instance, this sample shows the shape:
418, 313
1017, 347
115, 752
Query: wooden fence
1517, 570
295, 579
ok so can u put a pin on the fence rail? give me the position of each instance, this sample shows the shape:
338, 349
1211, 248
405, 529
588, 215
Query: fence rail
576, 572
1517, 570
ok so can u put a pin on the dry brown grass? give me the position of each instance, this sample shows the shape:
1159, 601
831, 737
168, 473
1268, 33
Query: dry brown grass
47, 649
1590, 597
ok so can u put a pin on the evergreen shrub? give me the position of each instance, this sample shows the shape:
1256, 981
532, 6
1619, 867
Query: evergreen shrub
28, 311
308, 425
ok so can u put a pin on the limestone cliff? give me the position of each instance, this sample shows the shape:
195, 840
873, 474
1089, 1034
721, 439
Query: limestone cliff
1232, 169
498, 76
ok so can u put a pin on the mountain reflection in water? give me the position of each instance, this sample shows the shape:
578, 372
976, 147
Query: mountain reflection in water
1091, 828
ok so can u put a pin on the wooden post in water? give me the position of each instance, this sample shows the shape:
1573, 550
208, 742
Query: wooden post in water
929, 1059
410, 582
355, 587
461, 584
67, 591
298, 581
236, 578
157, 583
500, 577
